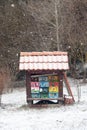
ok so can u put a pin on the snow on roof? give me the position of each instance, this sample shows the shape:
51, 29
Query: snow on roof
43, 61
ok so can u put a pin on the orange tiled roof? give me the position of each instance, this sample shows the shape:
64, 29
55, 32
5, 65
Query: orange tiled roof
43, 60
42, 53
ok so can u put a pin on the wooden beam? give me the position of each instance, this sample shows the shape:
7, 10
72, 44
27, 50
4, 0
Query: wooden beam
60, 75
60, 98
68, 86
28, 86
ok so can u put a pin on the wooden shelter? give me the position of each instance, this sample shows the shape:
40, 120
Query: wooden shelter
44, 75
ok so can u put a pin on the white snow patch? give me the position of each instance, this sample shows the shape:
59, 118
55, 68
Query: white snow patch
13, 116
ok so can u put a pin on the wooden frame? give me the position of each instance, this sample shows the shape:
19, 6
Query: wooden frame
41, 72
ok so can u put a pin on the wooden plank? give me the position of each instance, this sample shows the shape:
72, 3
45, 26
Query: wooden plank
44, 105
44, 75
68, 86
40, 72
60, 84
28, 86
60, 98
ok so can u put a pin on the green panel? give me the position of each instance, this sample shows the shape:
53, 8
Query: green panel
44, 95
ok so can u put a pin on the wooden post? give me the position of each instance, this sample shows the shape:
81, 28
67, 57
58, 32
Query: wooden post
28, 87
68, 86
60, 84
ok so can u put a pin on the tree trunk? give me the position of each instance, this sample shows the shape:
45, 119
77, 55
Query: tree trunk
57, 24
0, 100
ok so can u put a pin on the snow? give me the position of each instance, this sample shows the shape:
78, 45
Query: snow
16, 115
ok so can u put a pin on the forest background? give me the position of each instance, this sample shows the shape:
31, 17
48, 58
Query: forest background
41, 25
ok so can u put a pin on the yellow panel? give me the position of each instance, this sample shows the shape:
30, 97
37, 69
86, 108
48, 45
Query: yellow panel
53, 78
53, 89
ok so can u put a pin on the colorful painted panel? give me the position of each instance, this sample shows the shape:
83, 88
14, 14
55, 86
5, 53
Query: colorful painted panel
34, 84
54, 84
53, 78
44, 95
34, 79
53, 95
44, 84
44, 90
34, 87
35, 95
35, 90
43, 78
53, 89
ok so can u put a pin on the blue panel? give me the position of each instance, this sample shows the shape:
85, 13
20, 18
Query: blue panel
53, 95
35, 95
44, 89
44, 84
43, 78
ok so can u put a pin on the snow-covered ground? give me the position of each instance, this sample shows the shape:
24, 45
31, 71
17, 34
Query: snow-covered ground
15, 115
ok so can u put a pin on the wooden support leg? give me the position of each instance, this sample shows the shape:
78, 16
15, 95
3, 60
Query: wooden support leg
68, 87
30, 102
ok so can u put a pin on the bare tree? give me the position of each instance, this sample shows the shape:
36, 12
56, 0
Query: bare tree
1, 85
5, 81
36, 25
47, 12
57, 6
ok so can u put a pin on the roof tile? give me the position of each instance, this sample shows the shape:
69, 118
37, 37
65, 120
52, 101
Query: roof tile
43, 60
